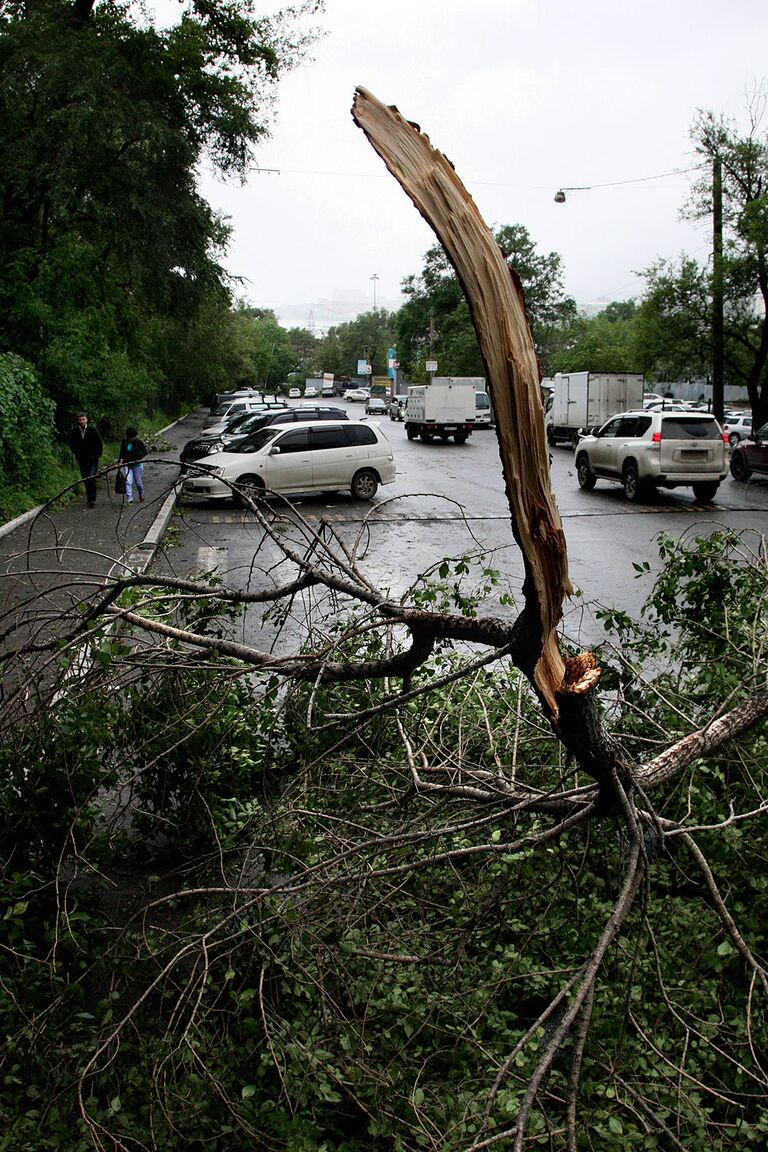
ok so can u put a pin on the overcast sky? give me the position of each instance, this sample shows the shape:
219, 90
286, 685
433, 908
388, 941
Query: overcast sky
524, 97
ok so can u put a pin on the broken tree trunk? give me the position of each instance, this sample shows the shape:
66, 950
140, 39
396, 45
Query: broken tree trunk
497, 306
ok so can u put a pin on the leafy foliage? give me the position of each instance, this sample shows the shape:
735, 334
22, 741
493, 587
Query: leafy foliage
365, 338
31, 462
435, 319
375, 956
109, 254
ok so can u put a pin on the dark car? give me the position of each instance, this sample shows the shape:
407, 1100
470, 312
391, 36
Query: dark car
376, 406
750, 455
205, 446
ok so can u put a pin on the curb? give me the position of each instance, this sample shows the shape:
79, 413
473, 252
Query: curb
140, 557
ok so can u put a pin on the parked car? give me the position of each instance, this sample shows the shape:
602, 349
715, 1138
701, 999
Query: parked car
655, 449
294, 393
357, 395
310, 391
220, 398
750, 455
230, 423
229, 409
375, 406
665, 405
738, 427
203, 445
318, 456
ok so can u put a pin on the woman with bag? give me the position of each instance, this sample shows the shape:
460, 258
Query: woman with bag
132, 452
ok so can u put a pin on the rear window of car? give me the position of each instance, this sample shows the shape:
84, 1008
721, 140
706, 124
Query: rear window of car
360, 434
634, 425
689, 428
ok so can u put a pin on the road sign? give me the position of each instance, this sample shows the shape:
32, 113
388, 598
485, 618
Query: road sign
431, 365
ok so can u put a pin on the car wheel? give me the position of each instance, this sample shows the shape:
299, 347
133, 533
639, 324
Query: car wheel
586, 476
734, 439
706, 490
250, 487
633, 489
410, 433
364, 484
460, 437
739, 468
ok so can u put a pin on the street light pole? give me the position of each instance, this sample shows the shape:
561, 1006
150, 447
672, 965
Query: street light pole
374, 278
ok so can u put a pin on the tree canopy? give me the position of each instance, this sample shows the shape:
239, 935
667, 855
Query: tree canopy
434, 322
107, 249
676, 313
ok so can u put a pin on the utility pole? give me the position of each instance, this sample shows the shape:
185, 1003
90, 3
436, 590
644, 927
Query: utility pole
717, 289
374, 278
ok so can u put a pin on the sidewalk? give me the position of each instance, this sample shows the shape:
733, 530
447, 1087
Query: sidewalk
55, 561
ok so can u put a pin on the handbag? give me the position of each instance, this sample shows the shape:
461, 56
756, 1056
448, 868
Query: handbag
120, 482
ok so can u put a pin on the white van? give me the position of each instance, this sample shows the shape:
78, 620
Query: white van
482, 409
312, 456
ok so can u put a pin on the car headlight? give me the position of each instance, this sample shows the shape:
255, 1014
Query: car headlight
216, 471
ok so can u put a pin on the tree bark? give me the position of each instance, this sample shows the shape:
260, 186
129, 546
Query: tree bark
497, 306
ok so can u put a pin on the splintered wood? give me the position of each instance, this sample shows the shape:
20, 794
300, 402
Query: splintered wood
498, 312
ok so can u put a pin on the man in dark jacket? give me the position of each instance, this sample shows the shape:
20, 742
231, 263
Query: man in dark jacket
86, 446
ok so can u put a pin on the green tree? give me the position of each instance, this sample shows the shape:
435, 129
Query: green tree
305, 344
606, 342
673, 327
367, 337
435, 319
262, 347
102, 229
676, 312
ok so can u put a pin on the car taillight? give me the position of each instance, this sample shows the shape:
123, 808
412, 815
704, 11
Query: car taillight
656, 438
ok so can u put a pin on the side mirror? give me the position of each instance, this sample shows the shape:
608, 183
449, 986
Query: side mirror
274, 451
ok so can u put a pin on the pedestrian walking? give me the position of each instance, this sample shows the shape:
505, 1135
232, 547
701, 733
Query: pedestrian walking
86, 447
132, 452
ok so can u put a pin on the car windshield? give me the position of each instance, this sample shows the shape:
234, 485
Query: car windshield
256, 440
690, 428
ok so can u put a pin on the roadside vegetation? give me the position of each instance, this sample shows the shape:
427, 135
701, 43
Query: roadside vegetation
238, 908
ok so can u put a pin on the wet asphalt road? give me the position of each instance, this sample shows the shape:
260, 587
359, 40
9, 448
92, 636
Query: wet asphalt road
448, 500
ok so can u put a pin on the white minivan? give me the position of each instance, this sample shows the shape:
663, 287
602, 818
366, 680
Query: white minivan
312, 456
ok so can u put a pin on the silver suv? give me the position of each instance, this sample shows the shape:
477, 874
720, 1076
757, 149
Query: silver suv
647, 450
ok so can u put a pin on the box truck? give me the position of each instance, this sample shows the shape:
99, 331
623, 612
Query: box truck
582, 400
444, 408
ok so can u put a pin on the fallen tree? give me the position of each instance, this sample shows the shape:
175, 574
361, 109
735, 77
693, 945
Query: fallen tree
440, 899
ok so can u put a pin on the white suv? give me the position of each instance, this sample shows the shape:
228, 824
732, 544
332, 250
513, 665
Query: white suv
312, 456
647, 450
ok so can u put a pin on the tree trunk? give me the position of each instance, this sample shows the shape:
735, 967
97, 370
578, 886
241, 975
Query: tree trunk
497, 306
